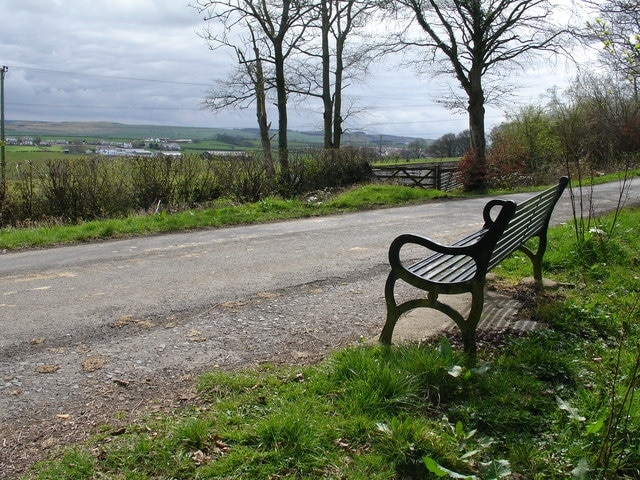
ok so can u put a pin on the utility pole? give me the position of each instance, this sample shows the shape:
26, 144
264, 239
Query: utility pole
3, 141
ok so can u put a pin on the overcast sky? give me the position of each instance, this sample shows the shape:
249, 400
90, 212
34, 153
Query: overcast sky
142, 62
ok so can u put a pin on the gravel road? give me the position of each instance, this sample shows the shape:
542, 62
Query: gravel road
105, 332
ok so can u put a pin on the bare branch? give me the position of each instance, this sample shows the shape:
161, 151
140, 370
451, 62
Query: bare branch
476, 40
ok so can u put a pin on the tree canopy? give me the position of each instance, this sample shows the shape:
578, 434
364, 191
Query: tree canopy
476, 41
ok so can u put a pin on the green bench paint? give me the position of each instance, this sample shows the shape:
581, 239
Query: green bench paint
462, 267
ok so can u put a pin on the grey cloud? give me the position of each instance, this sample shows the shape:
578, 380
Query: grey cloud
142, 61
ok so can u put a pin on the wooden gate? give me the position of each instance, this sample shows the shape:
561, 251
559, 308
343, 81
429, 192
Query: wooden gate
439, 176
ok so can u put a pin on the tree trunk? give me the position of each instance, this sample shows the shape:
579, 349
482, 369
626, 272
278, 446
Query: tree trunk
337, 96
478, 167
261, 113
281, 92
326, 77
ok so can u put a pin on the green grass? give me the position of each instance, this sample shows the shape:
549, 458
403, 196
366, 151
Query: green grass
18, 154
224, 214
556, 403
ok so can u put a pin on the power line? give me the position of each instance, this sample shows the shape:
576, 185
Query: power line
112, 77
91, 107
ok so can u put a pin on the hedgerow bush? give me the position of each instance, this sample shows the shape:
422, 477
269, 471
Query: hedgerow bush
321, 169
77, 189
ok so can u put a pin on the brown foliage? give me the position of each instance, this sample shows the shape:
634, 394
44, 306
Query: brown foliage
473, 171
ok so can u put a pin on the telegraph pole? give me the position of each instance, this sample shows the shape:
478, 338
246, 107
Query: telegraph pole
3, 141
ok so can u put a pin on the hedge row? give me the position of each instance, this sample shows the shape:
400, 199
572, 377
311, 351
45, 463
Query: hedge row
88, 188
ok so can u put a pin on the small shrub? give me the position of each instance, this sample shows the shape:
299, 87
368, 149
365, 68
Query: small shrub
473, 172
196, 181
153, 181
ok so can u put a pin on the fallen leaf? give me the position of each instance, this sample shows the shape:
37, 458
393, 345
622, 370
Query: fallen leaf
127, 320
48, 443
232, 305
196, 336
145, 324
92, 364
123, 321
220, 445
47, 368
199, 457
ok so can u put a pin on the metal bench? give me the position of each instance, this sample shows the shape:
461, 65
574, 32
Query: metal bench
462, 267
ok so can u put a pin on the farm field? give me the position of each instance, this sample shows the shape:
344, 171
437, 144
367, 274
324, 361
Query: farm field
24, 153
202, 138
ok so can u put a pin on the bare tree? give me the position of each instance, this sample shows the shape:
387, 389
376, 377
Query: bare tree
276, 25
336, 55
338, 20
476, 41
246, 86
618, 28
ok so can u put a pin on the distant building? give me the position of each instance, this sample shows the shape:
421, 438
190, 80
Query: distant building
226, 153
123, 152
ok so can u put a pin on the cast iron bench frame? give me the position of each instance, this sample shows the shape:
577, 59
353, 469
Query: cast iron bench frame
462, 267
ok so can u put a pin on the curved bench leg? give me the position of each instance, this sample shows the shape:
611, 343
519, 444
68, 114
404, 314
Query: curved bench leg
467, 325
392, 310
536, 259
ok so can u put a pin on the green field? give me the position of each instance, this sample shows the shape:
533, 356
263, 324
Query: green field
19, 153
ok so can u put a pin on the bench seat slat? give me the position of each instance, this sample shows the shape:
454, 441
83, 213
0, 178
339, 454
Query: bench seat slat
445, 268
438, 258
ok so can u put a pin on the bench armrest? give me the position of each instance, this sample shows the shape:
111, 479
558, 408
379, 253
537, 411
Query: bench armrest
478, 245
508, 206
410, 238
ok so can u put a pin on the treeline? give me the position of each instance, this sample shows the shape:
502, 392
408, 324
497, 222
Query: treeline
450, 145
89, 188
593, 128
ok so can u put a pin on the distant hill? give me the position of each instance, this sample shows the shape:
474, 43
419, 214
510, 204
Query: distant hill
112, 130
109, 130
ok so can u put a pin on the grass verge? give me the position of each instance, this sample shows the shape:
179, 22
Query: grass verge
224, 214
556, 403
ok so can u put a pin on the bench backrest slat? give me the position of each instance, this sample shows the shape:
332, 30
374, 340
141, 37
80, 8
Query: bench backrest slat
530, 219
